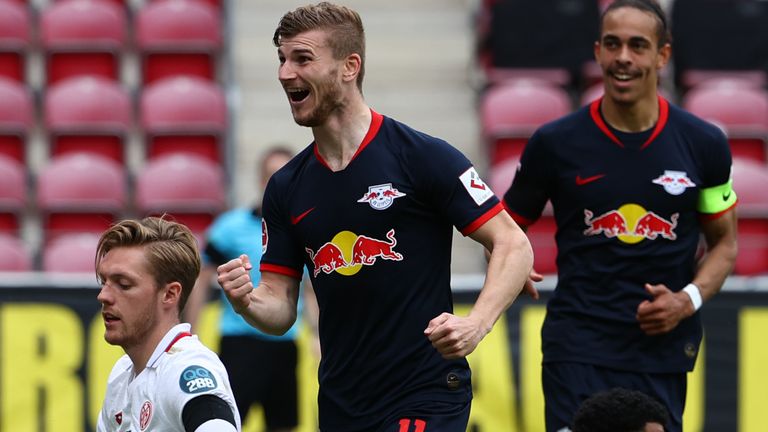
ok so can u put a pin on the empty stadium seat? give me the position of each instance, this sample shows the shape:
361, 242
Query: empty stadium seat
80, 192
13, 194
740, 109
542, 233
15, 30
511, 112
71, 253
16, 119
178, 37
83, 37
88, 113
184, 114
750, 179
14, 254
188, 187
695, 78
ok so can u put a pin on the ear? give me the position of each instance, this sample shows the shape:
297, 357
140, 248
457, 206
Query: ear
171, 294
665, 53
352, 65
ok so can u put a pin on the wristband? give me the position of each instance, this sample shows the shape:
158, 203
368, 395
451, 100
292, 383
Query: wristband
695, 295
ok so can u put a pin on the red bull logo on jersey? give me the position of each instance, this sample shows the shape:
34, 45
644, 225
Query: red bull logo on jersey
674, 182
380, 197
348, 252
631, 223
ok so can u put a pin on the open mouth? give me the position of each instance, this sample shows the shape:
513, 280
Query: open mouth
297, 95
623, 76
109, 318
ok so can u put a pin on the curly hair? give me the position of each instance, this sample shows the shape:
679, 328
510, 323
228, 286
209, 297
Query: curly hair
618, 410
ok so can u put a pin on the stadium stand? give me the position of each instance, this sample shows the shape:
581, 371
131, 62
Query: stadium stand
15, 33
740, 109
511, 112
750, 179
16, 119
83, 37
88, 113
188, 187
70, 253
13, 194
14, 254
178, 37
184, 114
80, 192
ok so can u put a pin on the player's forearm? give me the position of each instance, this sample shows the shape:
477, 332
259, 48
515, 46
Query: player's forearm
269, 311
715, 268
509, 265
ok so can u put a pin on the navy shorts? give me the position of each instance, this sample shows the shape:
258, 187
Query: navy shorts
567, 385
440, 418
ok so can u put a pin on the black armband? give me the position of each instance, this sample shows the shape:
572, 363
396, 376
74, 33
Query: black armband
203, 408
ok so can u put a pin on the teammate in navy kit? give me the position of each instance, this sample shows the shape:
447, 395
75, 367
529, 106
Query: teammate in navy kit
633, 182
369, 208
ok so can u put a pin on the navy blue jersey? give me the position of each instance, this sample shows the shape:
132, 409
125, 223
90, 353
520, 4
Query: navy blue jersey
628, 209
376, 240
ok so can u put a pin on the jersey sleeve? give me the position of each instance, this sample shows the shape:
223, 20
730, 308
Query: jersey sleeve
454, 186
526, 197
716, 194
280, 251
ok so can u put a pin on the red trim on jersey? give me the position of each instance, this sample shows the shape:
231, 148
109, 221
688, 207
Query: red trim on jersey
477, 223
376, 121
283, 270
594, 111
520, 220
176, 339
713, 216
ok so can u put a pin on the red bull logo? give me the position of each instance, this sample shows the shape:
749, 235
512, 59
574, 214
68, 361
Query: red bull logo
674, 182
631, 223
380, 197
347, 253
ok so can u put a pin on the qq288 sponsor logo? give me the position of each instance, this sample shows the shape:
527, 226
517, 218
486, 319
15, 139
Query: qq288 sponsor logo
196, 379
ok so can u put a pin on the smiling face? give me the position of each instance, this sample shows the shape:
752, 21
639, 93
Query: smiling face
629, 55
132, 304
312, 78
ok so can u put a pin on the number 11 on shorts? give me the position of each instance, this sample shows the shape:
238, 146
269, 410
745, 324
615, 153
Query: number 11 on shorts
405, 425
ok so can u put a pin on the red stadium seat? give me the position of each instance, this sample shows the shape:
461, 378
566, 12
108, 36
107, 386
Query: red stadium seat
750, 179
542, 233
83, 37
88, 113
71, 253
80, 192
184, 114
14, 254
16, 119
15, 30
13, 194
188, 187
741, 110
178, 37
511, 112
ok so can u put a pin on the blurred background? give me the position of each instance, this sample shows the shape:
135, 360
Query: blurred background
124, 108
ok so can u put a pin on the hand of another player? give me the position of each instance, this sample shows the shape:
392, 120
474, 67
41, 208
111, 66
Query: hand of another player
235, 279
454, 337
665, 311
529, 288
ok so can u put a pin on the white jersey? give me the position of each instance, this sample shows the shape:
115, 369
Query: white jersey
180, 369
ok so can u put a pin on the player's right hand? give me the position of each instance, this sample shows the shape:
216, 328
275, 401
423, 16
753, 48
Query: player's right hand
235, 279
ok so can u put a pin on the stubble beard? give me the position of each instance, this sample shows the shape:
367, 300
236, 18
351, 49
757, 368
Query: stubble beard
328, 98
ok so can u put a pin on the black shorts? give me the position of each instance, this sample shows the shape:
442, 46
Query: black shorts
567, 385
263, 372
431, 417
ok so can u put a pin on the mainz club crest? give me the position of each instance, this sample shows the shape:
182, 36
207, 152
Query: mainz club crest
146, 415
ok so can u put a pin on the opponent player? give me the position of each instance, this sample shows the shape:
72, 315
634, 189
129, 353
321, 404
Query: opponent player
167, 380
633, 181
369, 208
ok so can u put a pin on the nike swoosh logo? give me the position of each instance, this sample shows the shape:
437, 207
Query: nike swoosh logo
582, 181
725, 197
297, 219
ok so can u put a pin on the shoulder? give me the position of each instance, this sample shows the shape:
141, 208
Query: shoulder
122, 365
576, 121
694, 126
412, 143
189, 359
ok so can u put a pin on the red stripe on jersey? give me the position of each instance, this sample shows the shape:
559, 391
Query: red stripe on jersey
283, 270
376, 121
477, 223
520, 220
594, 111
713, 216
176, 339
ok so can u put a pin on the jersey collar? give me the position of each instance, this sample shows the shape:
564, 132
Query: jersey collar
373, 129
174, 334
594, 111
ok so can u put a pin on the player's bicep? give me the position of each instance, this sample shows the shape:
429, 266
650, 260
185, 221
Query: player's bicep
720, 230
199, 412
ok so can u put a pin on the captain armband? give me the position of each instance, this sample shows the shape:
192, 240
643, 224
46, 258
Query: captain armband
716, 199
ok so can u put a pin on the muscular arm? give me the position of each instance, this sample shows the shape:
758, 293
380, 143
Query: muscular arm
509, 265
271, 307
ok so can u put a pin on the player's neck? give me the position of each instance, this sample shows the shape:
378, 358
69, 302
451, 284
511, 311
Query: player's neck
635, 117
341, 135
141, 353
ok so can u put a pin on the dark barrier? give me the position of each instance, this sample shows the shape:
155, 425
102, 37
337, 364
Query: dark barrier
54, 361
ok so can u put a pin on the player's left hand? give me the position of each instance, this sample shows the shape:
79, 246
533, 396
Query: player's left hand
662, 313
452, 336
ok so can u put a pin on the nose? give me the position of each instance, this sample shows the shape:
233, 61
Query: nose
624, 55
103, 297
286, 72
